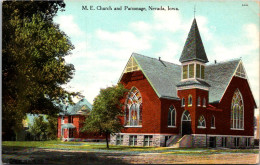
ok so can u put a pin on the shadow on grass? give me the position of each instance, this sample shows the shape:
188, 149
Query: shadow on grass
27, 155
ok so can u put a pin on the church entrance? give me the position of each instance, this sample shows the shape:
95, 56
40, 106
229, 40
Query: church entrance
185, 123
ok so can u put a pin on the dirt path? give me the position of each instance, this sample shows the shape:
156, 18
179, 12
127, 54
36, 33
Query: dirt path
52, 156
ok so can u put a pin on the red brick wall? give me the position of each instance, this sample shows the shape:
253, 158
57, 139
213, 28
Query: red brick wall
151, 113
78, 123
195, 110
165, 105
225, 104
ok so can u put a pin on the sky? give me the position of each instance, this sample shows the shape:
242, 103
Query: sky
105, 39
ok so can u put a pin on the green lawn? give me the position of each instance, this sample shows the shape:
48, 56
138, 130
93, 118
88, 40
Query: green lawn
94, 146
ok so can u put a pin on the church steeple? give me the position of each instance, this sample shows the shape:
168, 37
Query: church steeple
193, 48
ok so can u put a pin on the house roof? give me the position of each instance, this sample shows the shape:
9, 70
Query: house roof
193, 48
165, 76
81, 107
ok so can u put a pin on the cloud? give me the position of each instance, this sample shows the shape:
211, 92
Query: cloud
170, 51
124, 39
167, 20
68, 25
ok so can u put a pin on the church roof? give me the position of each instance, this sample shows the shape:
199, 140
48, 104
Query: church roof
193, 48
165, 76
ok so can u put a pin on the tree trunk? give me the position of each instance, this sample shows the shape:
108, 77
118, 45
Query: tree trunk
107, 140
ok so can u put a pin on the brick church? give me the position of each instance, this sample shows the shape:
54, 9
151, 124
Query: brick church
194, 104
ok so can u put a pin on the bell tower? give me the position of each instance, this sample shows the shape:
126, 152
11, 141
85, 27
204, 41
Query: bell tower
193, 89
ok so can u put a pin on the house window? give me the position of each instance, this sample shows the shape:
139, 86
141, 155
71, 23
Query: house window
191, 70
133, 140
171, 116
62, 120
133, 113
190, 100
236, 141
198, 102
213, 122
119, 139
224, 141
62, 132
201, 122
185, 72
148, 140
183, 102
237, 111
204, 102
247, 142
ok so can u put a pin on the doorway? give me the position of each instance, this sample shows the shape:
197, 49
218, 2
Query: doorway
212, 142
185, 123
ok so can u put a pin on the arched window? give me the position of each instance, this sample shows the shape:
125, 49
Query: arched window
237, 111
133, 111
190, 100
198, 101
204, 102
213, 122
186, 116
201, 122
183, 102
171, 116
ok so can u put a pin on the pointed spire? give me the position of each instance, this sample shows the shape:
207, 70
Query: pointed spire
193, 48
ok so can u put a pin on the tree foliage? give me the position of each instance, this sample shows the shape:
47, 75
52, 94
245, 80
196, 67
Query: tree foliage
33, 67
104, 117
38, 129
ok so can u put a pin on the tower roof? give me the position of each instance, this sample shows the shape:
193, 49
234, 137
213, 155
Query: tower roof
193, 48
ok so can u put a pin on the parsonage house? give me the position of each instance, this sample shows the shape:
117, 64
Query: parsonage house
187, 105
70, 122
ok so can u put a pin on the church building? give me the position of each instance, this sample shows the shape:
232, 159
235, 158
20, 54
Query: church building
194, 104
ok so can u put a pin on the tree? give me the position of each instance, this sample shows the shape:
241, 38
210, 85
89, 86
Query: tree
39, 128
52, 127
107, 108
34, 69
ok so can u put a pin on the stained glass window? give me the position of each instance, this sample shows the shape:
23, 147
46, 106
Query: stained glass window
201, 122
237, 111
213, 122
190, 100
133, 111
171, 116
198, 102
183, 102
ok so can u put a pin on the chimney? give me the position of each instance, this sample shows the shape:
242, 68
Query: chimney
159, 58
215, 61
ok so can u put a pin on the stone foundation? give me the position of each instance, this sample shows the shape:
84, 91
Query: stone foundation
158, 140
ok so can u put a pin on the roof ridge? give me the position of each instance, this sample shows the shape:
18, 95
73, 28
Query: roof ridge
155, 58
226, 61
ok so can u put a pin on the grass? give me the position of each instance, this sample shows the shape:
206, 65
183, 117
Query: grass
94, 146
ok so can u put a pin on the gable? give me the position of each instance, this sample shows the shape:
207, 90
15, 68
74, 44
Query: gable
131, 65
240, 71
